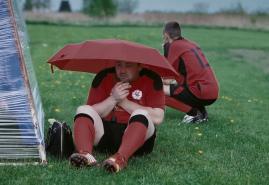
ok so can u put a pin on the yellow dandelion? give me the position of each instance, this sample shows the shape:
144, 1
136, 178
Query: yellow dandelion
57, 82
226, 98
57, 110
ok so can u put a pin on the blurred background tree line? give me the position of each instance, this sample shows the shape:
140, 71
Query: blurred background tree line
109, 8
97, 8
106, 8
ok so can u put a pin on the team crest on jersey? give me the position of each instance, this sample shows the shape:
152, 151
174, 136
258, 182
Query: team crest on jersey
137, 94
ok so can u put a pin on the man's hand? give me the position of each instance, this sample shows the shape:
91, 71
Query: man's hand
120, 91
169, 81
165, 39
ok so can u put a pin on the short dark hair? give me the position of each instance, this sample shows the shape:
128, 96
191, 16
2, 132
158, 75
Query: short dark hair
172, 29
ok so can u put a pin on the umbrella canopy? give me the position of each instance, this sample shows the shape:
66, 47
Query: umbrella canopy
94, 55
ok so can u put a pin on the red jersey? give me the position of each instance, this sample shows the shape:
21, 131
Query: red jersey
194, 69
147, 91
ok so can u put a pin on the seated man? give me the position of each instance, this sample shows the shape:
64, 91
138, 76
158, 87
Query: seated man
197, 85
123, 105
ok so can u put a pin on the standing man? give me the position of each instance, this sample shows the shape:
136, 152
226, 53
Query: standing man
197, 85
124, 104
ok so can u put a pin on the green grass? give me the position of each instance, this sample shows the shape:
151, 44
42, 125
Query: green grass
232, 148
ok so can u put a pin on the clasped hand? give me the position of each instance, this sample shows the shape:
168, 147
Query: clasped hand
120, 91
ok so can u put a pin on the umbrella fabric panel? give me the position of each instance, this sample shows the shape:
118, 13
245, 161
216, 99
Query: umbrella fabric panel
93, 56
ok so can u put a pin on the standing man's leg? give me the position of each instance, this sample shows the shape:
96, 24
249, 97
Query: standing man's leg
183, 100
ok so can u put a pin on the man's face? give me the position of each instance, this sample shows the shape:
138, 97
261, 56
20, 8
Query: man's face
166, 38
127, 71
166, 44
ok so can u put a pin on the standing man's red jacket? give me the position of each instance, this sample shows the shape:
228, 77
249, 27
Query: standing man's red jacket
194, 70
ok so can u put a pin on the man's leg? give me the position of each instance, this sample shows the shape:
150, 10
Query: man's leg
176, 100
176, 104
139, 129
188, 103
88, 130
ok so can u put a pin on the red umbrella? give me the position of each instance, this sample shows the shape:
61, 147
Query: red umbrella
94, 55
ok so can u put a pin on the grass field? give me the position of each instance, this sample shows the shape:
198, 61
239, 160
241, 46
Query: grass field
232, 148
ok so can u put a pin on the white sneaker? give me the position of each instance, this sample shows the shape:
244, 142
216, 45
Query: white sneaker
198, 118
82, 160
187, 119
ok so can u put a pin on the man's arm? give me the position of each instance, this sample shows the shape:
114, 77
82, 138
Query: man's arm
167, 81
105, 107
166, 89
166, 85
156, 114
118, 93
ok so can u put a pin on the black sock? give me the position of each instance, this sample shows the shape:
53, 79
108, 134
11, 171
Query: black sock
193, 112
202, 109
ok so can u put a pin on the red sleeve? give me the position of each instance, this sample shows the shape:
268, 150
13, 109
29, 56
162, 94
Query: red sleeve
180, 78
97, 93
155, 96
